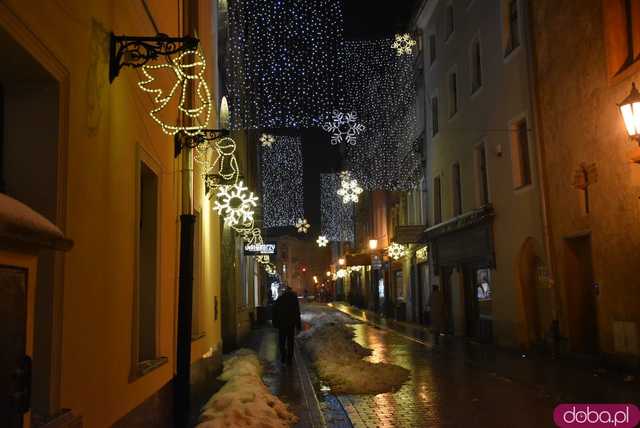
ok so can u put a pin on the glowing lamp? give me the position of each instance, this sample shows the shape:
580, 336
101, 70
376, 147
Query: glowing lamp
328, 273
630, 110
341, 262
373, 244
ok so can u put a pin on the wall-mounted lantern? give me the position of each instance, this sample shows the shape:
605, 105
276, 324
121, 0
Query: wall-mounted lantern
630, 110
373, 244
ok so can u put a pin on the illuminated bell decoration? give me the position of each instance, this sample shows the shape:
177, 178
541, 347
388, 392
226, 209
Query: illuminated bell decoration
344, 127
396, 251
630, 109
235, 203
403, 44
302, 225
267, 140
349, 191
322, 241
188, 70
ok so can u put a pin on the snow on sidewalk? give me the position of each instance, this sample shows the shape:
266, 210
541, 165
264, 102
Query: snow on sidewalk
244, 400
339, 360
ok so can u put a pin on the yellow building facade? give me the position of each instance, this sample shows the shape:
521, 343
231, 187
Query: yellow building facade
85, 153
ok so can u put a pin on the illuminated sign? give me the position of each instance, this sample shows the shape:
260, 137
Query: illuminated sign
266, 249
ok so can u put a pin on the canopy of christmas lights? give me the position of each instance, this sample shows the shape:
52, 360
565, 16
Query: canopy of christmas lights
336, 218
381, 88
282, 184
282, 62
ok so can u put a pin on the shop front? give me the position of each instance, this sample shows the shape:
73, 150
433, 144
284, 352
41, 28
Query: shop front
462, 254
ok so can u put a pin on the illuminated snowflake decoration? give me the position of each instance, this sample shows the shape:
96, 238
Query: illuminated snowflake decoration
302, 225
349, 191
267, 140
344, 127
403, 44
345, 175
322, 241
396, 251
341, 273
235, 203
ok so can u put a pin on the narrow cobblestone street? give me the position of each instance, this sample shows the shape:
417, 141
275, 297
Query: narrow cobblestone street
441, 392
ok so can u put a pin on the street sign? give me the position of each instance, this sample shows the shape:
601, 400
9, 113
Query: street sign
265, 249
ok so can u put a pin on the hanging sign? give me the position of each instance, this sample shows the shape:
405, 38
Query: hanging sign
259, 249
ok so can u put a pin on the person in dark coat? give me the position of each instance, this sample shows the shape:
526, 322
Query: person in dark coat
286, 318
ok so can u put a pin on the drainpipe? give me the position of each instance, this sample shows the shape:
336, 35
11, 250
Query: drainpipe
532, 67
182, 399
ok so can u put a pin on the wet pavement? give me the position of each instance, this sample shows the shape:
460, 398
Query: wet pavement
291, 383
455, 385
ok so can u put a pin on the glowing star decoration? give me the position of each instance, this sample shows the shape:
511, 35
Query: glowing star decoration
302, 225
187, 72
235, 203
396, 251
403, 44
322, 241
344, 127
349, 191
267, 140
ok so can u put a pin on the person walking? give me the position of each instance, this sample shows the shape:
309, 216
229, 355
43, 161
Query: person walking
286, 318
437, 313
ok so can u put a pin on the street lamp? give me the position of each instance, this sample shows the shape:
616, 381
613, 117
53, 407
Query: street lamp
341, 262
373, 244
328, 273
630, 110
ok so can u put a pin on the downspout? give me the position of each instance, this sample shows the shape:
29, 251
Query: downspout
182, 399
532, 66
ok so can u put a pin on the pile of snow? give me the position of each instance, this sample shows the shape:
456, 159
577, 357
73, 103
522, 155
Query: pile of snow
244, 400
339, 361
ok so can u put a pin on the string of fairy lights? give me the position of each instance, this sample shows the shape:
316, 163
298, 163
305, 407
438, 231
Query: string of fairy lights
336, 218
282, 65
233, 201
282, 180
380, 86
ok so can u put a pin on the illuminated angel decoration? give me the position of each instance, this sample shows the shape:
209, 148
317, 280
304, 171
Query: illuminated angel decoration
396, 251
302, 225
403, 44
235, 203
349, 191
344, 127
186, 71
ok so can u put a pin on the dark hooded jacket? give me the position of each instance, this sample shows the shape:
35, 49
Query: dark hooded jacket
286, 311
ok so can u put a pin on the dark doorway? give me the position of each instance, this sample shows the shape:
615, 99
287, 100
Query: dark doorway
581, 295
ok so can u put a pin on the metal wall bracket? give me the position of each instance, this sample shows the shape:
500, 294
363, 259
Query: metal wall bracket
182, 140
137, 51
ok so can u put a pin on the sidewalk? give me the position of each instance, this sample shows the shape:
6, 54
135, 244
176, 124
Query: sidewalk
291, 384
562, 380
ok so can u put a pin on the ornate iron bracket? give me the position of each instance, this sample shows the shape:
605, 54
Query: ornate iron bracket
183, 140
137, 51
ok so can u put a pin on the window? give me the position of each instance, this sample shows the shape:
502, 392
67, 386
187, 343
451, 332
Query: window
622, 33
434, 116
147, 296
520, 159
453, 94
437, 201
482, 175
432, 49
457, 189
450, 21
483, 284
476, 66
512, 26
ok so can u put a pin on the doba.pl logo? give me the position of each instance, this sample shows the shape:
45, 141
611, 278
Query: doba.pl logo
596, 415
